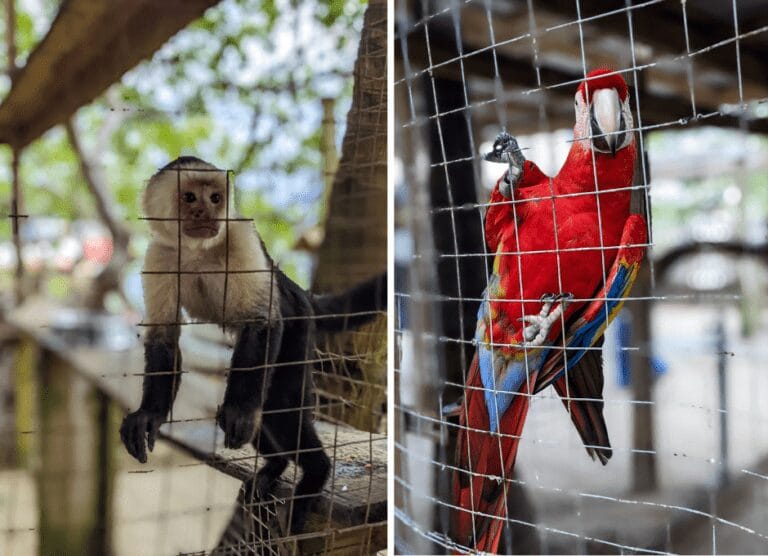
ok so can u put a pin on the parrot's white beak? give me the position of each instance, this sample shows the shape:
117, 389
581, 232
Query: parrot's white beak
607, 121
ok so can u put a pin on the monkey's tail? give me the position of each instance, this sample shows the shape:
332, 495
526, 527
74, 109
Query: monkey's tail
352, 308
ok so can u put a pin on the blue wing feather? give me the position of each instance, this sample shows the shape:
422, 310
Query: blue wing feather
585, 332
502, 376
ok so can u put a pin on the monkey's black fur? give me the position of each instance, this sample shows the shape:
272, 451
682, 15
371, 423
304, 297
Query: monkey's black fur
281, 388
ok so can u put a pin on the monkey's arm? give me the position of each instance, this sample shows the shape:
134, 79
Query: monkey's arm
162, 360
256, 350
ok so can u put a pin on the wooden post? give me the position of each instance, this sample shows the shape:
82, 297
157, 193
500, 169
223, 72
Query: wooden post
26, 395
10, 36
328, 149
74, 480
16, 213
355, 237
643, 460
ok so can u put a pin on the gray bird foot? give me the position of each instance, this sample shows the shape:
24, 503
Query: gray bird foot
537, 326
506, 150
453, 409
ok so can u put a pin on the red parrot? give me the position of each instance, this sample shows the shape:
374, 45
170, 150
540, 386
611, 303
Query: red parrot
567, 251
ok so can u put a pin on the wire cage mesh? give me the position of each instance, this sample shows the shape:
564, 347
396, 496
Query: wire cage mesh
70, 373
679, 363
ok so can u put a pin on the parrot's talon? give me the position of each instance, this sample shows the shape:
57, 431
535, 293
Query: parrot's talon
504, 148
507, 151
538, 326
453, 409
565, 299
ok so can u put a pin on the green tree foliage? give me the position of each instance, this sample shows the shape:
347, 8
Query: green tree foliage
240, 87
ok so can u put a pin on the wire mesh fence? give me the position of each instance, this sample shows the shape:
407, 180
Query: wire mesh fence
675, 375
71, 369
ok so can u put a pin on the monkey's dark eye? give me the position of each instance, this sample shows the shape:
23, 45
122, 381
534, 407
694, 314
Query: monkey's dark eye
189, 197
215, 198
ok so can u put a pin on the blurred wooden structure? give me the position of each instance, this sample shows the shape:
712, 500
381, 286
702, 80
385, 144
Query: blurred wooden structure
66, 384
538, 58
354, 246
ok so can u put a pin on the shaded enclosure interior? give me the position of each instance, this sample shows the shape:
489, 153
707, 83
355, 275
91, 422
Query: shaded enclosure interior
683, 361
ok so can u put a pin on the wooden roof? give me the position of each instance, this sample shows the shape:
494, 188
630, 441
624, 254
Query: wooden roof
677, 80
89, 46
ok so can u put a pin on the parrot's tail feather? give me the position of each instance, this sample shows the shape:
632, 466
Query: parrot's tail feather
582, 397
491, 540
486, 461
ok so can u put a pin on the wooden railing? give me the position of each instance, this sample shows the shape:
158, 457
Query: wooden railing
58, 386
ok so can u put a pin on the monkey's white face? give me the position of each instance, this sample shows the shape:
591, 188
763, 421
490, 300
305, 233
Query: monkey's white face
201, 204
189, 203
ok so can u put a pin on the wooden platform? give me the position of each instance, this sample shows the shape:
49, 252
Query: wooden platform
354, 500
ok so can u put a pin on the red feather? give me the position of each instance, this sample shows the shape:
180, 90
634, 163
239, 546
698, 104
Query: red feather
603, 78
485, 460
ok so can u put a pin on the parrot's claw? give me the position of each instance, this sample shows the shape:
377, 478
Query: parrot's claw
538, 326
507, 151
453, 409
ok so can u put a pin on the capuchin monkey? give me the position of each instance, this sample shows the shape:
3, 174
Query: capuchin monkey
204, 259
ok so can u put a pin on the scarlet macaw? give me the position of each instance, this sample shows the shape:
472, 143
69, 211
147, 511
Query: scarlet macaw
549, 298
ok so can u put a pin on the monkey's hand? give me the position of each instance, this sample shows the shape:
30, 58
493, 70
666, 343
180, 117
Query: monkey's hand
238, 423
139, 432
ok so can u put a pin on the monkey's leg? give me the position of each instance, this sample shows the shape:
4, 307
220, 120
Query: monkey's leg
315, 466
259, 508
297, 436
249, 377
161, 382
266, 477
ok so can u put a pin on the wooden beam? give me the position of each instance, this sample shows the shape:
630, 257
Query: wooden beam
661, 26
606, 44
90, 46
518, 74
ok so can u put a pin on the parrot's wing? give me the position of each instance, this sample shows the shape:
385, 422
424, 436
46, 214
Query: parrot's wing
585, 329
582, 386
581, 390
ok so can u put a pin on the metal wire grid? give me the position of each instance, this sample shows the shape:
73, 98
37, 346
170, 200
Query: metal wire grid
422, 505
261, 527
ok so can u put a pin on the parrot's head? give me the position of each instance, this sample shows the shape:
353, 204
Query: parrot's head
603, 117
